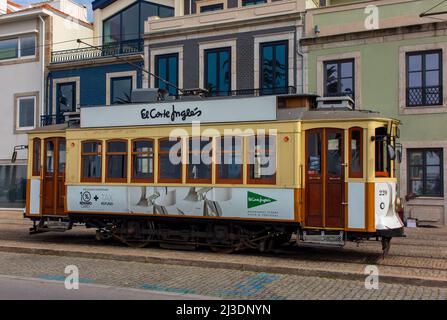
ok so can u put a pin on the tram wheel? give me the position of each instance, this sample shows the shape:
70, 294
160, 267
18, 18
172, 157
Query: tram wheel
138, 234
219, 239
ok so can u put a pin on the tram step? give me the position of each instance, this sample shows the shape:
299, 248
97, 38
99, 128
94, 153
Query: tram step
323, 238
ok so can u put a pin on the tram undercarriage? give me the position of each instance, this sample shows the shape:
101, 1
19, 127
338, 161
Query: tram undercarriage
223, 236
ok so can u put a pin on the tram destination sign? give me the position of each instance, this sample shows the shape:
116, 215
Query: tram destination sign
180, 112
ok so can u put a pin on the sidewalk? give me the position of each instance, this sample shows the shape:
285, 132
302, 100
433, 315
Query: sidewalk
419, 259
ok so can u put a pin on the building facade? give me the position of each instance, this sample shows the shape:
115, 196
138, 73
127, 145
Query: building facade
228, 48
106, 71
389, 56
27, 36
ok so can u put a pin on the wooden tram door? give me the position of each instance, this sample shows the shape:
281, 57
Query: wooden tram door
325, 178
53, 191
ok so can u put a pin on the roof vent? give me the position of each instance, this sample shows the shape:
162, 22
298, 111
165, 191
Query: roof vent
345, 102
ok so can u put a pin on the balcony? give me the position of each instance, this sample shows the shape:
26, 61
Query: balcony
107, 50
51, 119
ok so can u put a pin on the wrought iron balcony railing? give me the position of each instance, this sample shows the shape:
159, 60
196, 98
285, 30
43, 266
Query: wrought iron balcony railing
51, 119
253, 92
106, 50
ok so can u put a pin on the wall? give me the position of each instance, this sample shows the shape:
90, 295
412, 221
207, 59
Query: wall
65, 30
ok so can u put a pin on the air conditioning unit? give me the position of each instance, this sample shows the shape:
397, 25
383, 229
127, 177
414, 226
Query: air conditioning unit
145, 95
344, 102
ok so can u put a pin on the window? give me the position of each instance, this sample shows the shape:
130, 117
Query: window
143, 160
23, 46
424, 78
229, 160
66, 97
212, 7
382, 161
356, 153
166, 67
169, 161
199, 160
274, 67
26, 116
13, 186
128, 25
36, 157
339, 78
91, 154
116, 161
425, 172
252, 2
262, 160
121, 90
218, 71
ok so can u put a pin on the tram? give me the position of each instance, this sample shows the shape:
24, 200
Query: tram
228, 173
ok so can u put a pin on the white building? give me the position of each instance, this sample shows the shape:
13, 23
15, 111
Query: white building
28, 35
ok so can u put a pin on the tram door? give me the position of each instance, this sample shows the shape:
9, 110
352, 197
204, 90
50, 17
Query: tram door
53, 191
325, 178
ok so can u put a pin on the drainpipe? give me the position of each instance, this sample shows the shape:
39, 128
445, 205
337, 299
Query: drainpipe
42, 89
301, 54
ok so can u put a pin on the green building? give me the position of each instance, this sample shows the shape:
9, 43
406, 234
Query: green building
389, 56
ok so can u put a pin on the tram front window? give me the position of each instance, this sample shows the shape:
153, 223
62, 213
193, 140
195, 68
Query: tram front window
91, 161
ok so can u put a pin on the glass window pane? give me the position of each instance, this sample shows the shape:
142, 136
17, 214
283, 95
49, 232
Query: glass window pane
91, 147
356, 150
347, 86
147, 10
168, 170
334, 156
432, 78
346, 69
416, 173
112, 29
36, 156
433, 157
62, 156
417, 187
91, 166
130, 24
166, 12
432, 61
416, 158
211, 71
331, 79
415, 80
143, 146
49, 156
121, 90
267, 67
9, 49
224, 72
66, 97
415, 63
314, 160
27, 46
12, 186
116, 166
26, 112
280, 66
116, 146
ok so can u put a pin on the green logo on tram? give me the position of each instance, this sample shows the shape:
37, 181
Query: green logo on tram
254, 200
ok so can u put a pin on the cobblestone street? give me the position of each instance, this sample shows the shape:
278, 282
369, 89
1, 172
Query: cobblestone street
292, 273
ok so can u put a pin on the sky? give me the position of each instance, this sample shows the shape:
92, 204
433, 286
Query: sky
87, 3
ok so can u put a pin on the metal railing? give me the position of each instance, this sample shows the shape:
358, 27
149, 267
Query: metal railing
253, 92
424, 96
51, 119
106, 50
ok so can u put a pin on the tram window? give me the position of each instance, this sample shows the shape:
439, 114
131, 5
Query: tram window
36, 157
143, 161
49, 156
91, 154
61, 156
116, 161
229, 157
262, 159
169, 161
199, 160
356, 153
314, 153
382, 161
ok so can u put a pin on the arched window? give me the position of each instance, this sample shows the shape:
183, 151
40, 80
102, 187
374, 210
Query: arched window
116, 161
91, 154
229, 160
143, 160
262, 159
199, 160
169, 161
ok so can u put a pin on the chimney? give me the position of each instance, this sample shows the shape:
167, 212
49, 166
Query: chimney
3, 6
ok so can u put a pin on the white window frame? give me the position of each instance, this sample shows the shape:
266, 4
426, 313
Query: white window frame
111, 75
18, 127
19, 51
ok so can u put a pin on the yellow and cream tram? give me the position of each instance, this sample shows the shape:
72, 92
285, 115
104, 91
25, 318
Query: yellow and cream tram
229, 173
